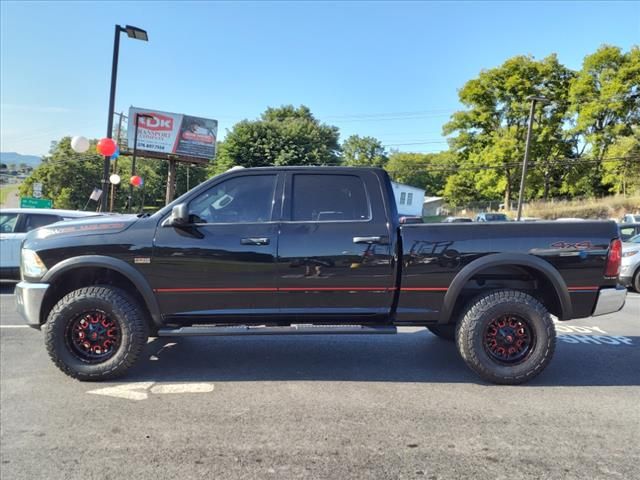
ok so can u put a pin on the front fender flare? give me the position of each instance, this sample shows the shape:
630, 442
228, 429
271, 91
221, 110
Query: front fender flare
115, 264
511, 259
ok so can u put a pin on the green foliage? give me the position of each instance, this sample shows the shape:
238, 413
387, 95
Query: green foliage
422, 170
491, 133
605, 97
623, 176
360, 151
68, 178
282, 136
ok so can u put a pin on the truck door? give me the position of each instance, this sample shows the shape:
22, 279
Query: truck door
223, 263
334, 255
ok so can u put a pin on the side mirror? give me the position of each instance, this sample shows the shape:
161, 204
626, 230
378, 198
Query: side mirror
179, 215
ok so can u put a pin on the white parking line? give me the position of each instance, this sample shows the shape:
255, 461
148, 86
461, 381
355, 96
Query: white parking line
14, 326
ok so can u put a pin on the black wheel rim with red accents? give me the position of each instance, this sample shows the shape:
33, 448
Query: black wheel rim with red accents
93, 336
509, 339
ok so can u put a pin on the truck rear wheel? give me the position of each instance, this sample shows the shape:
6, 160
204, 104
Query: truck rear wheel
506, 337
95, 333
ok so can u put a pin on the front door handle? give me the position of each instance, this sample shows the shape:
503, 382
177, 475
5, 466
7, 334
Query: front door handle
254, 241
375, 239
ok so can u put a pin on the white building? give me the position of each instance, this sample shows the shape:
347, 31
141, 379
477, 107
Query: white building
408, 199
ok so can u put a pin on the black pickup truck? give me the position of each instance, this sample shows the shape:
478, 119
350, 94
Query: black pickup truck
311, 250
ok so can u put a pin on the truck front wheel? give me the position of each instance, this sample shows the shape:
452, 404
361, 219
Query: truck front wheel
506, 336
95, 333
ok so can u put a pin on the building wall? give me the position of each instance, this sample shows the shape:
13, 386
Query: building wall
408, 199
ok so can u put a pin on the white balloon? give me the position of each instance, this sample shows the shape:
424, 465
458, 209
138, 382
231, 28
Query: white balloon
79, 144
115, 179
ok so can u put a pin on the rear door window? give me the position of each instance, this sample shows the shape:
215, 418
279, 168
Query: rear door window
326, 198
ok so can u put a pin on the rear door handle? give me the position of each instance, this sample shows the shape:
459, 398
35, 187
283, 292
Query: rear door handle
375, 239
254, 241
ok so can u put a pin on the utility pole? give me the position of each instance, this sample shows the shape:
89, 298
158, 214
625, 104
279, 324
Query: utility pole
115, 162
527, 148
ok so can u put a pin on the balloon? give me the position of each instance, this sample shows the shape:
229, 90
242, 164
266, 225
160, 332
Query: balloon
136, 181
79, 144
116, 154
115, 179
106, 147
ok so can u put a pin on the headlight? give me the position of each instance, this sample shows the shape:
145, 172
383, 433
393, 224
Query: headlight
32, 265
629, 254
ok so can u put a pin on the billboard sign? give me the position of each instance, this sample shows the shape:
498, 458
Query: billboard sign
187, 137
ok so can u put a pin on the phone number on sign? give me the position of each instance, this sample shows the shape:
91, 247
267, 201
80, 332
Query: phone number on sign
150, 146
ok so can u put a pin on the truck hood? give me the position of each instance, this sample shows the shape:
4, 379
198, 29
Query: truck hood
88, 226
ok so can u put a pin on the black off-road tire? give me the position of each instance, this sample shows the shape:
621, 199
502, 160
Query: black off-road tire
445, 332
116, 303
636, 281
486, 308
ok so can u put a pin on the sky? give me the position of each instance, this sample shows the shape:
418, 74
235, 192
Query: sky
390, 70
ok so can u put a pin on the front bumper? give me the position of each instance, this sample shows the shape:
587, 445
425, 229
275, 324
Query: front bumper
610, 300
29, 297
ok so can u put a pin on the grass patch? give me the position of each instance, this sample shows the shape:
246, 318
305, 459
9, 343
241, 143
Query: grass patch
5, 191
595, 208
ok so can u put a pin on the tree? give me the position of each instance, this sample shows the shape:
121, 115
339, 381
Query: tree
491, 132
605, 103
68, 178
621, 174
363, 151
422, 170
282, 136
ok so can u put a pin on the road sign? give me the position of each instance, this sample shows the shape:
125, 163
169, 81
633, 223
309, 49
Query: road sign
37, 190
30, 202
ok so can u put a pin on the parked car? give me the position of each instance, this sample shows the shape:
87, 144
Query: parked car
628, 230
14, 225
630, 268
309, 250
491, 217
457, 220
630, 218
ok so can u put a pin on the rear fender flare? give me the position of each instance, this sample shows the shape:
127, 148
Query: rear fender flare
511, 259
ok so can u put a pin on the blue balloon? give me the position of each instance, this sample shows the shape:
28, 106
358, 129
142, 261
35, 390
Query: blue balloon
116, 154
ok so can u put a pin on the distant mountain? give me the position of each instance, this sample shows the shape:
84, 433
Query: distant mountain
17, 158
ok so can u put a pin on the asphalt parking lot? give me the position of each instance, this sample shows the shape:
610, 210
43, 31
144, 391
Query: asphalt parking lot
383, 406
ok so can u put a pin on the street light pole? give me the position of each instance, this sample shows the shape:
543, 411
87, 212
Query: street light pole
138, 34
112, 99
527, 148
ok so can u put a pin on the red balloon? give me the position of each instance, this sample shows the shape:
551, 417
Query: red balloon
136, 181
106, 147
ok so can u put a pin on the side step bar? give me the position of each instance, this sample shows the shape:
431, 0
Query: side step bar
208, 330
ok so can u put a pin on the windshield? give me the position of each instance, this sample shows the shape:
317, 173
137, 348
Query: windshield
634, 239
8, 222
